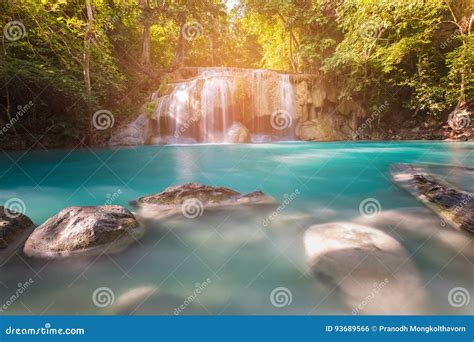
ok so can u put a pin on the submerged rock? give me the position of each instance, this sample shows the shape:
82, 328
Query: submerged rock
14, 229
84, 231
370, 270
454, 206
132, 300
238, 134
192, 199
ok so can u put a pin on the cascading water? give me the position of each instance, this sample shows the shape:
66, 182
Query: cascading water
217, 108
205, 107
287, 103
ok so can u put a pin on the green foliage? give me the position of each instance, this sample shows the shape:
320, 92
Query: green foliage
411, 52
415, 54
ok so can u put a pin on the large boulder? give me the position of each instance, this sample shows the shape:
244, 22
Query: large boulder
370, 270
238, 134
84, 231
192, 199
14, 229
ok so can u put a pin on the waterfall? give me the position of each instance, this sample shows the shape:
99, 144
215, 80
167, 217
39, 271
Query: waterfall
159, 109
287, 103
205, 107
259, 98
217, 107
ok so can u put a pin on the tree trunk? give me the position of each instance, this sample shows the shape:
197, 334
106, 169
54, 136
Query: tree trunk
146, 42
178, 60
87, 47
211, 50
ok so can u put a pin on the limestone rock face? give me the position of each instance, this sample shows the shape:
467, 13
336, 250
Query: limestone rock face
302, 94
84, 231
14, 228
309, 131
371, 271
318, 95
238, 134
133, 134
192, 199
318, 130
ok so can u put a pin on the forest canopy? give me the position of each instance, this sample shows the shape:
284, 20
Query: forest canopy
72, 57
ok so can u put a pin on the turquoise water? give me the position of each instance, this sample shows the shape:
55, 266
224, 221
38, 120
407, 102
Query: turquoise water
243, 260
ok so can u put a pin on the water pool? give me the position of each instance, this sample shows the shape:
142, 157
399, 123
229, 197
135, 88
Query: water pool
233, 259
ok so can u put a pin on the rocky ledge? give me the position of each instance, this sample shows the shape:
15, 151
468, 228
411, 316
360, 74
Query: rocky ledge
192, 199
454, 206
14, 229
84, 231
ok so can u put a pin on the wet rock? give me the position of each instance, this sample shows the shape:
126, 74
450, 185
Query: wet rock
454, 206
14, 229
238, 134
369, 269
192, 199
84, 231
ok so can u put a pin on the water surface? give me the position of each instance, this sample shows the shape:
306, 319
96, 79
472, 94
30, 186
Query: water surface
232, 256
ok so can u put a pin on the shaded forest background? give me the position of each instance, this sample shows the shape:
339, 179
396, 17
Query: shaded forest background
62, 60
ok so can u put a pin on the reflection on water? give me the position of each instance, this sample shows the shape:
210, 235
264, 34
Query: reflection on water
230, 262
